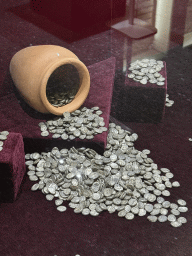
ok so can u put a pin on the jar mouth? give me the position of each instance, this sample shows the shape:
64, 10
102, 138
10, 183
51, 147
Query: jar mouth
81, 92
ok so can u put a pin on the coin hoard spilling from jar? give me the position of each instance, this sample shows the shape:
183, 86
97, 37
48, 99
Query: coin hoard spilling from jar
83, 123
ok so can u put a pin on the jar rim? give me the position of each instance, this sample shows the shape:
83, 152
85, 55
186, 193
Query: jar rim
82, 93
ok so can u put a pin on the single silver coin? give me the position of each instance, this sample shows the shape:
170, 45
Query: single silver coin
58, 202
152, 218
35, 187
129, 216
61, 208
86, 211
33, 177
171, 217
163, 211
175, 212
183, 209
162, 218
142, 212
3, 137
173, 206
6, 133
176, 224
49, 197
122, 213
176, 184
64, 136
182, 220
94, 213
181, 202
45, 133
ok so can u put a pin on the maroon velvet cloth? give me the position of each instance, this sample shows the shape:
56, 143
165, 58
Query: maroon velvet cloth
12, 166
16, 119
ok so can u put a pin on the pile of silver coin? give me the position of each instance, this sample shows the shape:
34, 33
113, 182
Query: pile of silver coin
60, 99
123, 180
83, 123
168, 103
147, 70
3, 137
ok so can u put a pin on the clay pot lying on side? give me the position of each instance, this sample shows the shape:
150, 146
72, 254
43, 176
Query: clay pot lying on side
36, 70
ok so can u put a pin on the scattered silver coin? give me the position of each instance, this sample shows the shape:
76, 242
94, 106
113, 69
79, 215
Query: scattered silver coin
182, 220
152, 218
171, 218
162, 218
176, 224
181, 202
123, 179
62, 208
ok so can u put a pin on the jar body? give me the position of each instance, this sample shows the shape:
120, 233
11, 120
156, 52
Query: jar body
31, 68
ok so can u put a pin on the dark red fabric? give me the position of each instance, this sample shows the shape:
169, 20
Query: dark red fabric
12, 166
16, 119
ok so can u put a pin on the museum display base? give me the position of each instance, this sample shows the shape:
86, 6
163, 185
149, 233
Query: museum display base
142, 103
12, 167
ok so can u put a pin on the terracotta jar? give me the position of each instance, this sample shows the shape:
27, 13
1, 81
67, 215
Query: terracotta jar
33, 68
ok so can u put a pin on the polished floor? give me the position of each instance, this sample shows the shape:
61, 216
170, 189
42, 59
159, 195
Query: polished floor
31, 225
